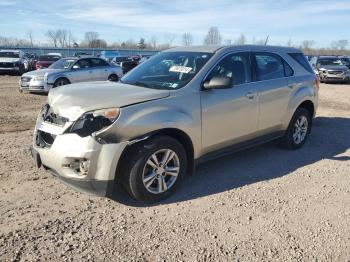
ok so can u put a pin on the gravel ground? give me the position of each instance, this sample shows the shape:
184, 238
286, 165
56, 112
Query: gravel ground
261, 204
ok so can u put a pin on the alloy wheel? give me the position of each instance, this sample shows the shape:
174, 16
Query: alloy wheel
300, 129
161, 171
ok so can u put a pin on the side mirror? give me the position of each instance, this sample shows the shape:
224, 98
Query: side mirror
218, 82
76, 67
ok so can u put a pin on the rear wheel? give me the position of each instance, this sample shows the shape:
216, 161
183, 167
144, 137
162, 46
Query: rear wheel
155, 169
113, 78
298, 130
61, 82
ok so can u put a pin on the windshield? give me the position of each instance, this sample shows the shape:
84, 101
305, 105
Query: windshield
63, 64
9, 54
168, 70
49, 58
330, 62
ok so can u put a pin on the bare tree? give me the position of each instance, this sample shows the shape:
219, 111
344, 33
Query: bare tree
343, 44
289, 43
187, 39
241, 40
62, 36
307, 44
153, 42
70, 39
169, 39
213, 36
30, 38
52, 37
90, 37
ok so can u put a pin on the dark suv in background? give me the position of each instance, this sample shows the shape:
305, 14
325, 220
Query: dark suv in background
331, 68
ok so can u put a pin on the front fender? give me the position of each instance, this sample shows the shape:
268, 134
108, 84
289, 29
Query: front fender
138, 120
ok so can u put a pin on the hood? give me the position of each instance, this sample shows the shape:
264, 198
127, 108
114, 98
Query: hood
9, 59
71, 101
333, 67
42, 72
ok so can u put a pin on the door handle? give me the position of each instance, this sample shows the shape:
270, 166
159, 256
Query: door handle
250, 95
291, 86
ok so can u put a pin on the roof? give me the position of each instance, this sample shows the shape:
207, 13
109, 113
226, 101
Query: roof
9, 50
214, 48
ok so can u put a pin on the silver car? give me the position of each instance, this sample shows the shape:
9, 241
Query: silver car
70, 70
182, 106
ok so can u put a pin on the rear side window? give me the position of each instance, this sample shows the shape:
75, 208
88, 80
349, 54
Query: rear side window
301, 60
271, 66
95, 62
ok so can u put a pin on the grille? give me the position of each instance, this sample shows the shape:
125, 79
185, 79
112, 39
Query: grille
50, 117
6, 65
335, 72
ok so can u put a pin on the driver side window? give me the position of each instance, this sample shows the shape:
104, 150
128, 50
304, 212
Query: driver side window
236, 67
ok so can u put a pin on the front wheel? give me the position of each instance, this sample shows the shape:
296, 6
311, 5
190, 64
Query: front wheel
155, 169
61, 82
298, 129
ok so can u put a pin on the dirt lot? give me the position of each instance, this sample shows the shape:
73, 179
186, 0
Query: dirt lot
262, 204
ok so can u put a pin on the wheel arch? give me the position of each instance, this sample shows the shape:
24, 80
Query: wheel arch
175, 133
62, 77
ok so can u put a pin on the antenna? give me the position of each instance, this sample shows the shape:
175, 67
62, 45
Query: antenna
267, 39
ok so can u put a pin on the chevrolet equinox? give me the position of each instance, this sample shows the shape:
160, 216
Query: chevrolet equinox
182, 106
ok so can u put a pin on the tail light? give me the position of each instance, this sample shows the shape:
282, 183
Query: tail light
317, 82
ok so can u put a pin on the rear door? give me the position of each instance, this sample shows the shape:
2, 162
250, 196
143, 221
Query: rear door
274, 78
100, 69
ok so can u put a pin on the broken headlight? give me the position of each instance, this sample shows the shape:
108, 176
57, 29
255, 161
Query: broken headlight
94, 121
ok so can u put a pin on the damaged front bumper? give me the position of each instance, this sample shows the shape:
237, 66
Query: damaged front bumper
80, 162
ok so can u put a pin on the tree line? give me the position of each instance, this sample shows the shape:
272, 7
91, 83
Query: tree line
66, 39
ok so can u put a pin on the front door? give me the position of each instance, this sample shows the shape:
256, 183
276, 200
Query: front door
230, 115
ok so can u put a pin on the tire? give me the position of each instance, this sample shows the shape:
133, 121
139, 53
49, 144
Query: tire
113, 78
61, 82
297, 132
21, 70
142, 177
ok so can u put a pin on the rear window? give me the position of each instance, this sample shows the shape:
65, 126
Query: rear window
301, 60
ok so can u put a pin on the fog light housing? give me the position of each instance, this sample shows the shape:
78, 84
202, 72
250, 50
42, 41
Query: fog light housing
84, 167
81, 166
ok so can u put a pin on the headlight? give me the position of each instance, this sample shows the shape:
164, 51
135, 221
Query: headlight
94, 121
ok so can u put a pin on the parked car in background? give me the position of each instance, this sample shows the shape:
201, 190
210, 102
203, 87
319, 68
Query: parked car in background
12, 61
118, 59
144, 58
79, 53
55, 54
330, 69
31, 60
128, 65
70, 70
109, 55
44, 61
345, 60
181, 107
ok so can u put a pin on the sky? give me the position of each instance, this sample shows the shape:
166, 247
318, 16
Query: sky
323, 21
